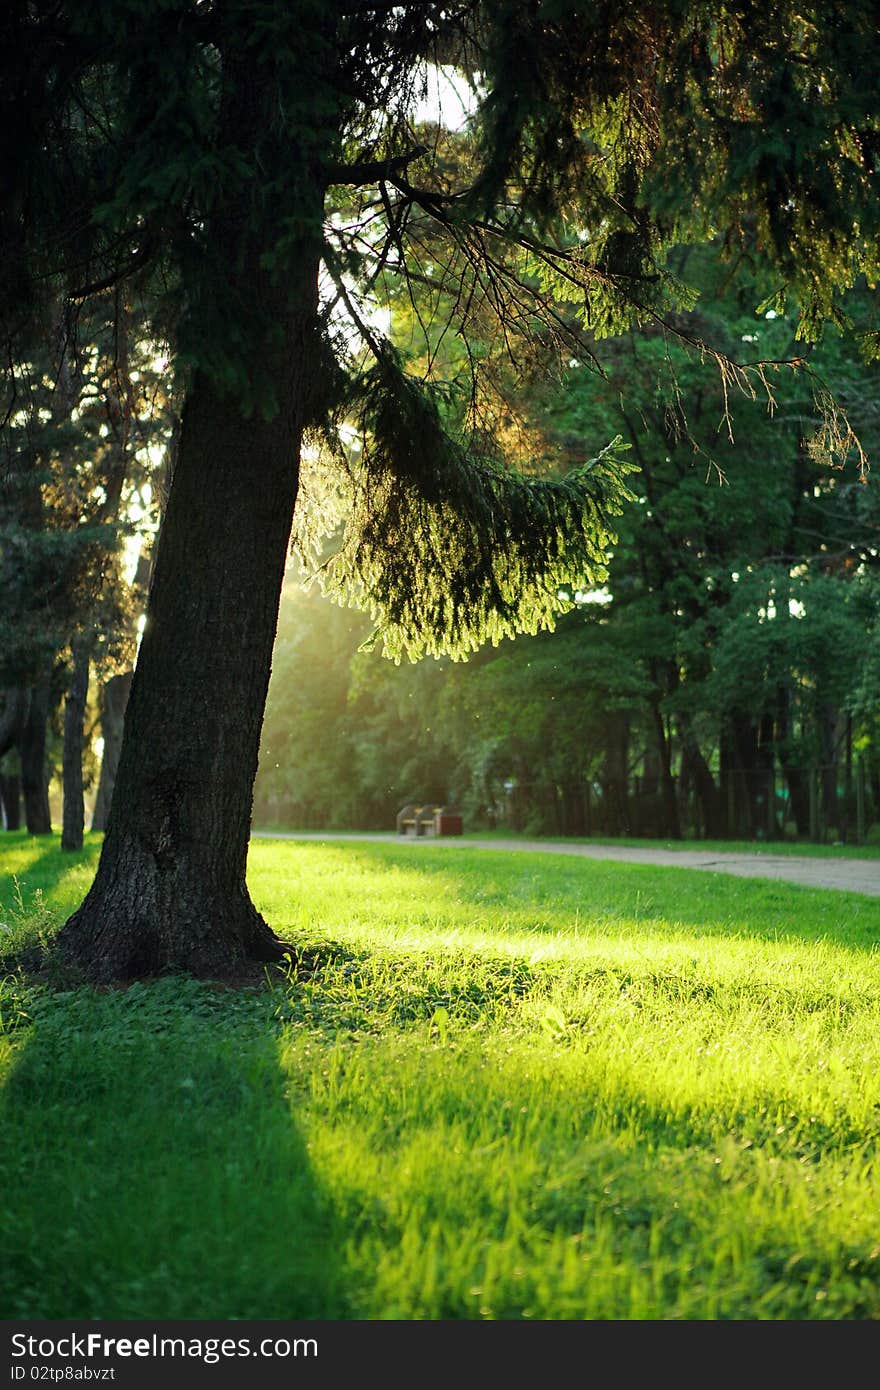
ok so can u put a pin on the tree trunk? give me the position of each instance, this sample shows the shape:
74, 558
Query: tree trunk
750, 750
671, 822
760, 781
114, 697
830, 755
73, 813
10, 797
790, 760
847, 805
700, 775
727, 779
615, 777
16, 702
170, 891
34, 773
14, 713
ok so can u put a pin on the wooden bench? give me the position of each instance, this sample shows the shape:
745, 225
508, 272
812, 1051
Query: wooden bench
428, 820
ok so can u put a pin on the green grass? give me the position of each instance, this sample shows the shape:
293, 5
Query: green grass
520, 1086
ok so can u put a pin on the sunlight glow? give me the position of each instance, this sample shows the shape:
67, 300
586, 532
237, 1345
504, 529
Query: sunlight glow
585, 596
448, 101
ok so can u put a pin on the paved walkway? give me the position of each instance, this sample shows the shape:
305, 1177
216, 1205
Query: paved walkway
850, 875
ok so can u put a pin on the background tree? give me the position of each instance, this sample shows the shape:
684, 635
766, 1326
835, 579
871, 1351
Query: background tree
79, 450
734, 632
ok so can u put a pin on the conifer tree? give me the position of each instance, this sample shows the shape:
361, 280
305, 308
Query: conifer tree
261, 164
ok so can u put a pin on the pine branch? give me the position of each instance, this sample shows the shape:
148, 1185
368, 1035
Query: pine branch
370, 171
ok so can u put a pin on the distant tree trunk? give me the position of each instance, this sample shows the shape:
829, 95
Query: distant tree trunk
14, 713
794, 774
669, 800
799, 796
615, 777
10, 798
34, 773
114, 697
574, 808
847, 805
828, 731
727, 779
700, 774
73, 813
748, 762
16, 701
765, 768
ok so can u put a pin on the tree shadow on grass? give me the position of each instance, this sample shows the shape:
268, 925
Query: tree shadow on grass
39, 888
151, 1168
38, 861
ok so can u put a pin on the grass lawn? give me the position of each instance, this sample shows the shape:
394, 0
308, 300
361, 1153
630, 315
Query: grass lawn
519, 1086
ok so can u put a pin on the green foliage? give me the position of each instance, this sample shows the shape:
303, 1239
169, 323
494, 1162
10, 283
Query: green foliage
488, 552
738, 588
777, 631
80, 451
222, 145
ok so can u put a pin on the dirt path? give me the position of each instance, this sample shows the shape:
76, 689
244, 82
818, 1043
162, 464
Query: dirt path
849, 875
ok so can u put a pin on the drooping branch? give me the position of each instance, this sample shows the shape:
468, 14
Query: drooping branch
116, 276
447, 548
372, 171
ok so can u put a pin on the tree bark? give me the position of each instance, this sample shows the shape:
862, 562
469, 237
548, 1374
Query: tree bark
34, 773
73, 811
114, 697
750, 750
10, 797
170, 890
14, 713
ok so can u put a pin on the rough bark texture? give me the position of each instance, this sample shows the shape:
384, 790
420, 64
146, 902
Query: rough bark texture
114, 698
170, 891
73, 813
